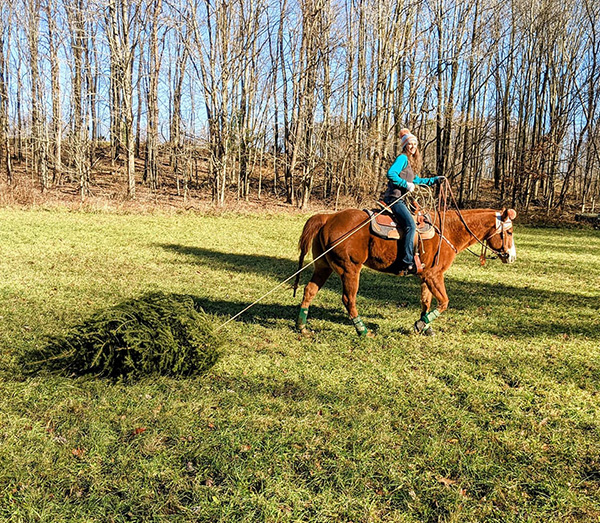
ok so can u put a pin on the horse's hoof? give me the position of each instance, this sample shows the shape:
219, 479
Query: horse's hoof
419, 326
306, 333
423, 328
367, 334
428, 332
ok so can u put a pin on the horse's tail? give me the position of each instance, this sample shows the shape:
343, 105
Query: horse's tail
311, 228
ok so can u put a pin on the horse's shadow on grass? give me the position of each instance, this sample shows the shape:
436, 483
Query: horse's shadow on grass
264, 314
373, 286
469, 297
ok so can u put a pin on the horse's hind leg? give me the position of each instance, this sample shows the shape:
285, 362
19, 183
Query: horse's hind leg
350, 279
320, 275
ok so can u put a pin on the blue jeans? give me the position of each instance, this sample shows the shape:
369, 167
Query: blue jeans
407, 225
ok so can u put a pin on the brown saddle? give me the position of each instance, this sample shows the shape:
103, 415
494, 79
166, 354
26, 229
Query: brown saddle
383, 224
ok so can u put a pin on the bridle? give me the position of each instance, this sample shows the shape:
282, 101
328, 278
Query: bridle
503, 228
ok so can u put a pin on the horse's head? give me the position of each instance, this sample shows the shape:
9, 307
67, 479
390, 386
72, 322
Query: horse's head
501, 238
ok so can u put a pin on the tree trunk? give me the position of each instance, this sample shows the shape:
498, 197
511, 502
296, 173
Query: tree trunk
151, 160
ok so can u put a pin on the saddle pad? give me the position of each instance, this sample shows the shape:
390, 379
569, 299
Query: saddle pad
384, 226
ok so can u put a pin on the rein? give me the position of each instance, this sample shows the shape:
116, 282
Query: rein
442, 204
483, 257
500, 228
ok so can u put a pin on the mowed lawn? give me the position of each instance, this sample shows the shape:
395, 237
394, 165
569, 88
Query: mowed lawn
497, 418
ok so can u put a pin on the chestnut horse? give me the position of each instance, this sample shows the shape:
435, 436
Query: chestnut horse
348, 245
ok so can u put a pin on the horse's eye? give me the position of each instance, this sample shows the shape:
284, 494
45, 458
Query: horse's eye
510, 233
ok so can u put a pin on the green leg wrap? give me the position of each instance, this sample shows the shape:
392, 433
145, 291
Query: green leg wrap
302, 318
360, 326
430, 316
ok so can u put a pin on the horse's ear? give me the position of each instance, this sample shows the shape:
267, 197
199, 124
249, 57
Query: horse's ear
510, 214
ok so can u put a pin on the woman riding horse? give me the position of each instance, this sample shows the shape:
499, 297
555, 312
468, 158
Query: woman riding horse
342, 243
402, 179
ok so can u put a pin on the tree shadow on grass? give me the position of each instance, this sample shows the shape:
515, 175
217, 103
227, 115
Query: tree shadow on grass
563, 312
376, 286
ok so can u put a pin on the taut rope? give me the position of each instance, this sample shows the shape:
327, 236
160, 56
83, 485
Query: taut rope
335, 244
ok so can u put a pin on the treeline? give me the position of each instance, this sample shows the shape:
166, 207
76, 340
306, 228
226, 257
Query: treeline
304, 97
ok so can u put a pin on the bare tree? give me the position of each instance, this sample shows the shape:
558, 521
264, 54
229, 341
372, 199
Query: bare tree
122, 22
210, 54
5, 21
38, 142
79, 138
180, 60
154, 61
54, 41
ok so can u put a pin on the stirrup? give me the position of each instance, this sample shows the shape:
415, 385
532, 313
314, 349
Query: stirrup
412, 269
419, 265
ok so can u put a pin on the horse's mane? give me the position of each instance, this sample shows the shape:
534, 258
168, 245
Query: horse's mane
454, 214
452, 218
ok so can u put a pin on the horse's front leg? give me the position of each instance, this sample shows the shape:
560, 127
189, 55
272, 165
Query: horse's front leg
426, 298
431, 286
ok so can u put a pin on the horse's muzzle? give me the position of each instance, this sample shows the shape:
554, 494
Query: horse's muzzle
509, 256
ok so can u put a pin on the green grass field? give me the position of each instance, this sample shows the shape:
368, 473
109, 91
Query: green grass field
495, 419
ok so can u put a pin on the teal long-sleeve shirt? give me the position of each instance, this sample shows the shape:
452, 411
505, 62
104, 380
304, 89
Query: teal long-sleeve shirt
398, 166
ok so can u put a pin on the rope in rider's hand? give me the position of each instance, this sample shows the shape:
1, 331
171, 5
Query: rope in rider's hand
424, 195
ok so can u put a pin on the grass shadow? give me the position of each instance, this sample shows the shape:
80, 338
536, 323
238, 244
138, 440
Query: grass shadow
383, 288
372, 284
266, 313
523, 307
